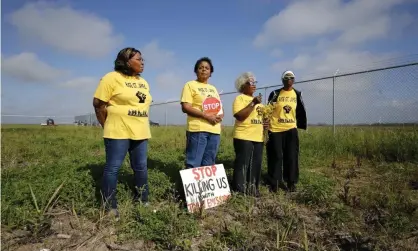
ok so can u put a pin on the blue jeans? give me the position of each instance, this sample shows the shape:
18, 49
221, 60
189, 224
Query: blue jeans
116, 150
201, 148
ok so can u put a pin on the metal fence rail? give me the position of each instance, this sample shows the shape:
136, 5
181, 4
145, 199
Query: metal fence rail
375, 96
386, 95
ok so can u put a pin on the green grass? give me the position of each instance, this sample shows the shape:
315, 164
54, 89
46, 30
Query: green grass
353, 194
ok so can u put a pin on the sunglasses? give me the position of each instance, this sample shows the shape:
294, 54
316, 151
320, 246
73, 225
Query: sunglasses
252, 83
288, 78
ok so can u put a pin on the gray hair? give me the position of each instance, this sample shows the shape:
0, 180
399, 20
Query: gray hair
242, 80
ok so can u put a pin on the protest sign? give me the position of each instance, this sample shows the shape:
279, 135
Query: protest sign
221, 111
205, 186
211, 106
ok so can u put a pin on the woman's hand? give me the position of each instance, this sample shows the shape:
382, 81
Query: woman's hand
212, 119
189, 110
219, 118
257, 100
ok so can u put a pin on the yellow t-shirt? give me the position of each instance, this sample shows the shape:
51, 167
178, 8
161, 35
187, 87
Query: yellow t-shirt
252, 127
195, 94
284, 115
129, 101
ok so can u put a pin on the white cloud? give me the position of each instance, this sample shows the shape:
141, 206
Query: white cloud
27, 67
170, 74
352, 22
326, 64
169, 79
85, 82
276, 53
331, 35
65, 28
155, 56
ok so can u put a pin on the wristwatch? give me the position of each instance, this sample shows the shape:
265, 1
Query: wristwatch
252, 104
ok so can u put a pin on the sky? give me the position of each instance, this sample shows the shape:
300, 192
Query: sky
53, 53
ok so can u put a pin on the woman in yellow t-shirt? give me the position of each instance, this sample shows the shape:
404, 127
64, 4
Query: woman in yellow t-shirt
121, 102
202, 104
283, 145
248, 136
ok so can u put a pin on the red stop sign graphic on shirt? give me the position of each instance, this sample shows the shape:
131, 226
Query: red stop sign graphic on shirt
211, 106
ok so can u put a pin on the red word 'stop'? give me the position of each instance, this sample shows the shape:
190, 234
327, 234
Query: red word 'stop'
203, 172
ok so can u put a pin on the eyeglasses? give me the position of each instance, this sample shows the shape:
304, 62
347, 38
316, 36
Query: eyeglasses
252, 83
288, 78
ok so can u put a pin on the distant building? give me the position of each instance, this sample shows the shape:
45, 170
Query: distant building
84, 120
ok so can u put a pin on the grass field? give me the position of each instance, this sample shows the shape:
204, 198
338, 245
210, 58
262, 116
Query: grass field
364, 200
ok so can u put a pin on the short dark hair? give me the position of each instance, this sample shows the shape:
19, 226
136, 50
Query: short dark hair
204, 59
121, 61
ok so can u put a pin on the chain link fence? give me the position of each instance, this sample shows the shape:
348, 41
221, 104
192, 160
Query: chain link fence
378, 96
372, 97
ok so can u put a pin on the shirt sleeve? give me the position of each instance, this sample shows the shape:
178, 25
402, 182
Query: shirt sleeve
105, 88
186, 95
271, 96
238, 105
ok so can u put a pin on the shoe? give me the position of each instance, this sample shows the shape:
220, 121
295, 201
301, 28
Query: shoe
292, 187
275, 189
283, 186
257, 194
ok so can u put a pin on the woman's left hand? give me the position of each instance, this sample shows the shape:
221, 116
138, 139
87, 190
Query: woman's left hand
219, 118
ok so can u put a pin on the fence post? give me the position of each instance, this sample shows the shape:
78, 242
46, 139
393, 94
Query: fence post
265, 95
333, 102
165, 113
333, 106
334, 164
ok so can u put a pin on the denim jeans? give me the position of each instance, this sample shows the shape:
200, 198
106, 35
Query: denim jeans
201, 148
116, 150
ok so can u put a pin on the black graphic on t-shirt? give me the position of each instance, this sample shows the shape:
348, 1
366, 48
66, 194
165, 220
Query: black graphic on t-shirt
204, 92
137, 113
141, 96
259, 111
258, 119
256, 122
136, 85
287, 109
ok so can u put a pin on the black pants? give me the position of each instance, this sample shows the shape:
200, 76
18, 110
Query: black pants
283, 157
247, 166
